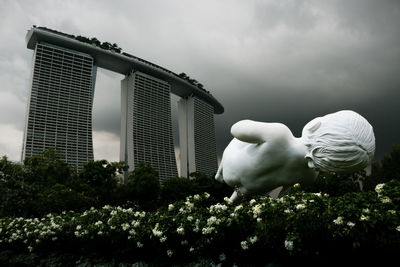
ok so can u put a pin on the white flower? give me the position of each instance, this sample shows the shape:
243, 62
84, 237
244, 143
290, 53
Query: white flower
196, 197
386, 200
238, 207
170, 207
206, 195
190, 218
287, 211
289, 245
222, 257
366, 211
300, 206
351, 224
228, 200
98, 223
78, 227
125, 226
364, 218
398, 228
54, 238
338, 220
259, 220
207, 230
244, 245
296, 185
252, 201
213, 220
253, 239
218, 208
99, 232
169, 253
189, 205
139, 245
256, 210
379, 188
156, 232
140, 214
393, 212
180, 230
14, 236
191, 249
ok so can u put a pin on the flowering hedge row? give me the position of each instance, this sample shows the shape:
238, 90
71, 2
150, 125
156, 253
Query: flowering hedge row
300, 224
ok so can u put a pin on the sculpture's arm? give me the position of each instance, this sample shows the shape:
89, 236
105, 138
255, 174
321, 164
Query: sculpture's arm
259, 132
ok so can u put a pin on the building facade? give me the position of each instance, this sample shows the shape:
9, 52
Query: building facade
59, 112
146, 125
198, 152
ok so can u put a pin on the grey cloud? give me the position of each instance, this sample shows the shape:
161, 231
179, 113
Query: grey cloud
286, 61
107, 102
292, 14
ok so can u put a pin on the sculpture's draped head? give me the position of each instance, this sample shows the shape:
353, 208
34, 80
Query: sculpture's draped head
339, 142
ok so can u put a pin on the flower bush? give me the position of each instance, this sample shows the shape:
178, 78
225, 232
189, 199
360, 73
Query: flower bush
261, 229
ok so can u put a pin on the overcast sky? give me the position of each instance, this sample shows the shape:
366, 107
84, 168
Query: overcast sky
273, 61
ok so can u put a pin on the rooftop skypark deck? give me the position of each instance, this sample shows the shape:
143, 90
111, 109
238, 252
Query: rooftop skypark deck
122, 63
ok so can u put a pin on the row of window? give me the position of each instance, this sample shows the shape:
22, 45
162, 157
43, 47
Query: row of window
61, 140
60, 60
61, 124
64, 111
60, 135
61, 92
66, 119
65, 54
42, 92
50, 67
55, 65
65, 77
75, 82
79, 112
83, 149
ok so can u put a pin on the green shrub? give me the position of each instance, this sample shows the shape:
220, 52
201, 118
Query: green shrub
177, 188
298, 226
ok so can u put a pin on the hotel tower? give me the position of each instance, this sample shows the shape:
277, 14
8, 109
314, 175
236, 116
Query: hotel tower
60, 106
59, 112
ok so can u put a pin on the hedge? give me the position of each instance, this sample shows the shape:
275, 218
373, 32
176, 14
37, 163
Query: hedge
299, 226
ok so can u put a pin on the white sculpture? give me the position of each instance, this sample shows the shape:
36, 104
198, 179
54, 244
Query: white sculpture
264, 156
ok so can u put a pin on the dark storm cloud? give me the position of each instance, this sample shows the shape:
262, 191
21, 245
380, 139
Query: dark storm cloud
274, 61
330, 56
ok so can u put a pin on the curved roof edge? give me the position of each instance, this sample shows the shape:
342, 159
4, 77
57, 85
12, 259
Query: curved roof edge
123, 64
